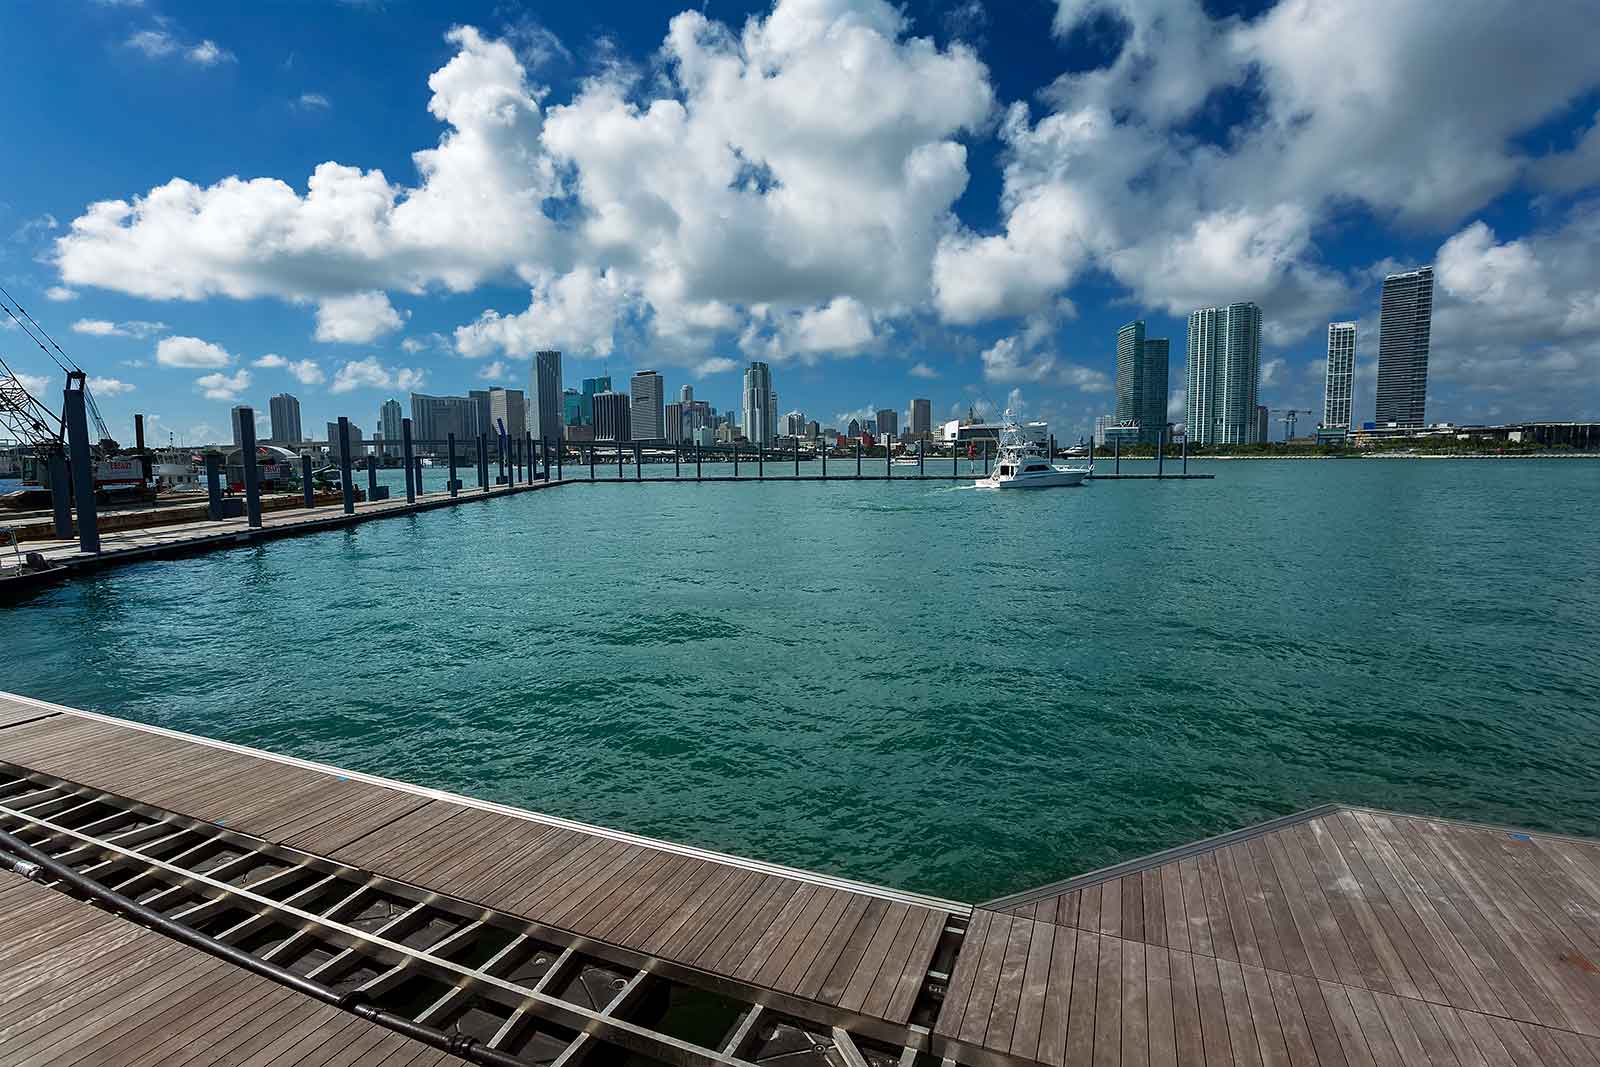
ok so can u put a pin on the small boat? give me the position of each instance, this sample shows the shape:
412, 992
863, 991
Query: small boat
1022, 464
907, 461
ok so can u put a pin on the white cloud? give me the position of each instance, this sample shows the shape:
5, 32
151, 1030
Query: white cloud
313, 102
153, 43
37, 385
575, 312
191, 352
1010, 360
270, 361
104, 328
109, 386
357, 318
922, 370
370, 374
208, 54
221, 386
160, 44
714, 365
476, 214
493, 372
60, 294
305, 371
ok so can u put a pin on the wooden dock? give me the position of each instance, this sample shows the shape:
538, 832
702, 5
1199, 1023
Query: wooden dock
1338, 936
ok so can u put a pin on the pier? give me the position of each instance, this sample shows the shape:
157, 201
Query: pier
424, 927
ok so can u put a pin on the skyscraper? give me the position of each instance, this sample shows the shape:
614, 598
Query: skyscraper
758, 404
285, 412
592, 386
649, 392
1142, 380
572, 403
544, 396
1403, 333
1263, 425
921, 417
672, 422
1224, 370
889, 422
793, 424
480, 404
390, 416
611, 417
356, 451
435, 418
233, 420
1339, 379
686, 396
508, 408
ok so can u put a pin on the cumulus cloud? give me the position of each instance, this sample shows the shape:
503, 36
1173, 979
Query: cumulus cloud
575, 312
475, 214
60, 294
219, 386
1010, 360
370, 374
109, 386
106, 328
714, 365
192, 352
357, 318
305, 371
922, 370
1399, 119
161, 44
313, 102
493, 372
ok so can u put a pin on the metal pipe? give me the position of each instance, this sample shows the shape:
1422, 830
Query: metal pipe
36, 866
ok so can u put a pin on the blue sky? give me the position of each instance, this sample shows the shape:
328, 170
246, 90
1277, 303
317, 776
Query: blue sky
949, 198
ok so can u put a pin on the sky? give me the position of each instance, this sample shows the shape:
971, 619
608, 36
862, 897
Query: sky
953, 199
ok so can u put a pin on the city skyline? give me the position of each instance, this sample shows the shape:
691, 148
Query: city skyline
985, 229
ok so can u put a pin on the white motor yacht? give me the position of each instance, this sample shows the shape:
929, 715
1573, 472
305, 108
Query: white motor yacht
1022, 464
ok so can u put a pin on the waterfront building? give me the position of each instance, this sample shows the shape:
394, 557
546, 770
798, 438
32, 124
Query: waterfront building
234, 421
793, 424
648, 392
572, 409
704, 436
673, 422
435, 418
686, 395
356, 451
1224, 372
869, 425
760, 404
921, 417
390, 416
612, 416
889, 422
1263, 426
1404, 329
1339, 378
483, 422
508, 411
285, 414
544, 396
854, 429
592, 386
813, 430
1142, 380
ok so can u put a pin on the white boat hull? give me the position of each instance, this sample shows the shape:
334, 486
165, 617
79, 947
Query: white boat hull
1059, 476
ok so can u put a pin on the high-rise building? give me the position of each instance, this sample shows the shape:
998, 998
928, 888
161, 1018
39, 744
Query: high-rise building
235, 421
1404, 327
1224, 370
612, 417
1142, 380
390, 416
921, 417
435, 418
758, 405
544, 396
572, 408
889, 422
508, 411
813, 429
1340, 376
672, 421
356, 451
1263, 427
285, 412
480, 405
592, 386
649, 393
793, 424
686, 395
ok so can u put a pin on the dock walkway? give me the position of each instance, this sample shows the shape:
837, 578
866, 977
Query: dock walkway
1340, 935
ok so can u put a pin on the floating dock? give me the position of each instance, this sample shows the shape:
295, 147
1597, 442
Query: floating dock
1336, 936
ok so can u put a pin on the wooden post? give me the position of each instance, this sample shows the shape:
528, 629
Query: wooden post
824, 449
345, 473
450, 444
761, 460
797, 455
858, 457
638, 462
1116, 453
76, 417
591, 461
558, 462
252, 473
1161, 451
1185, 447
305, 482
736, 459
619, 460
677, 460
61, 491
697, 463
921, 457
406, 450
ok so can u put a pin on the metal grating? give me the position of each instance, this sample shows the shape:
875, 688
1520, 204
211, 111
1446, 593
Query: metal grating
458, 967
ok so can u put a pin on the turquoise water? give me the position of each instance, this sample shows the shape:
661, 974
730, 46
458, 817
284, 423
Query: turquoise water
921, 684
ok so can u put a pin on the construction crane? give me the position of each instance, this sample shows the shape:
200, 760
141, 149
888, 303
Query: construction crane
1287, 416
27, 420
